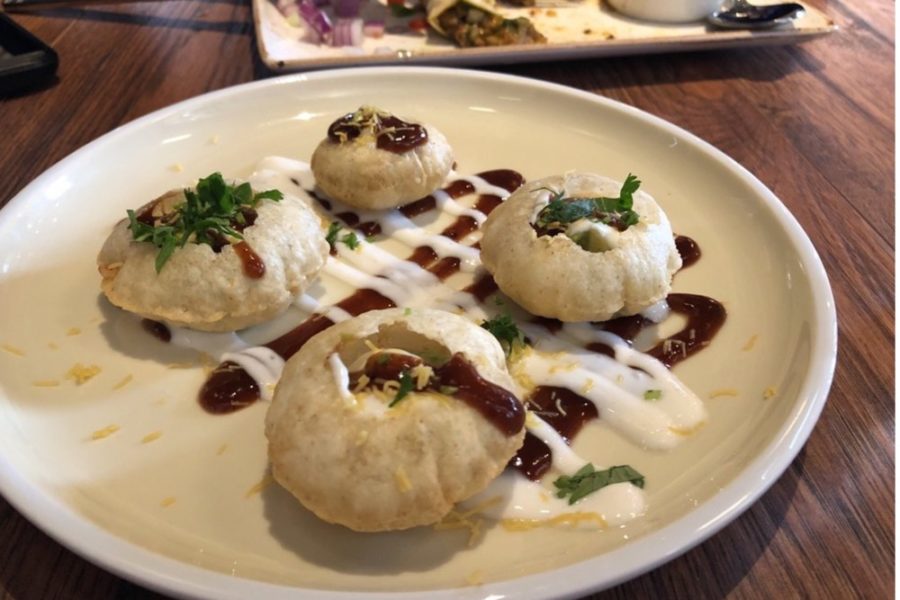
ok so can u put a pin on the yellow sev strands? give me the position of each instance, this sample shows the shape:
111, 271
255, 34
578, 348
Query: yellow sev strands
456, 519
571, 520
14, 350
259, 486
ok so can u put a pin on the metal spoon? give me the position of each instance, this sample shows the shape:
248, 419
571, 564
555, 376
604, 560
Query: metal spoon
742, 15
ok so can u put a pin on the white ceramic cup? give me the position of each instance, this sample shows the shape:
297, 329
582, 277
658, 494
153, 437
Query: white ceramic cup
666, 11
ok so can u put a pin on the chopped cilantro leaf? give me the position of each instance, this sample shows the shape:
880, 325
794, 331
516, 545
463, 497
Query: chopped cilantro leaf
588, 480
506, 331
351, 240
615, 212
242, 194
333, 230
567, 210
652, 394
406, 386
274, 195
165, 251
209, 214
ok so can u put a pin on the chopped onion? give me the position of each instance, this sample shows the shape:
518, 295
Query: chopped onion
347, 32
315, 18
373, 29
346, 9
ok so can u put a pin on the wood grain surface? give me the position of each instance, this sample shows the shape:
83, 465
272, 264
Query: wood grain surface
814, 122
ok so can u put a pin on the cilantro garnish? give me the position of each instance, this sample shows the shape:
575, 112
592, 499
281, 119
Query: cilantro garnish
506, 331
652, 394
615, 212
213, 213
274, 195
351, 240
333, 230
588, 480
406, 386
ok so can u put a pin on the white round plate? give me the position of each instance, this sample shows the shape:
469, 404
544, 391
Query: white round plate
170, 497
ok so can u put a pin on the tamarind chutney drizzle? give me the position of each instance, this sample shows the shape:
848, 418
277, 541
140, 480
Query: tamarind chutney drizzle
391, 133
456, 377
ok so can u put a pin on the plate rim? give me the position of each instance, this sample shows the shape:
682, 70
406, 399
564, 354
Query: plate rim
158, 572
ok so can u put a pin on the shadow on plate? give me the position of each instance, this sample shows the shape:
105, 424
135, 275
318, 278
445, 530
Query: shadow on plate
345, 551
125, 335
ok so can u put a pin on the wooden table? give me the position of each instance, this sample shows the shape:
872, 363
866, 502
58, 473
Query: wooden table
815, 122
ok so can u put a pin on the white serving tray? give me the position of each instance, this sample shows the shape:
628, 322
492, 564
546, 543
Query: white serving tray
589, 28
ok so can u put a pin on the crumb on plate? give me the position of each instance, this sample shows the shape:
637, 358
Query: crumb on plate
125, 381
105, 432
46, 383
570, 520
151, 437
457, 519
13, 350
258, 487
80, 373
750, 343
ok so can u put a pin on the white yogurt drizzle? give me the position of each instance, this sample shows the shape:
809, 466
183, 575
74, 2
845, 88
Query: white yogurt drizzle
310, 305
280, 173
540, 203
658, 312
341, 377
526, 500
450, 206
261, 363
615, 386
